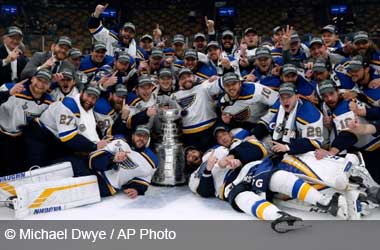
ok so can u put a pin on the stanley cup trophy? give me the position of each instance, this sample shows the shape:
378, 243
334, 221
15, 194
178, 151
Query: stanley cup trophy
169, 150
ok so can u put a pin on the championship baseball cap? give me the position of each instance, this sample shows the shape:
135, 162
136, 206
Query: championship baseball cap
64, 40
315, 40
91, 90
121, 90
326, 86
98, 45
144, 80
67, 73
179, 39
263, 52
319, 65
129, 25
165, 72
356, 63
227, 33
199, 35
13, 30
184, 71
213, 44
287, 88
289, 68
146, 36
142, 130
277, 29
191, 53
220, 127
330, 28
250, 30
360, 36
157, 52
75, 53
295, 38
123, 57
44, 74
230, 77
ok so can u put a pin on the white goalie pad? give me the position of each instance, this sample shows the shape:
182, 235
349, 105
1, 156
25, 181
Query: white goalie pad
57, 171
51, 196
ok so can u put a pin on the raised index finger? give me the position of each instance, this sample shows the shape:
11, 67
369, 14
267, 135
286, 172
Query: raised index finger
206, 19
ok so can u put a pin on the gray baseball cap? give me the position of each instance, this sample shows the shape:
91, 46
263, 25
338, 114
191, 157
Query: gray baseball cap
319, 65
356, 63
67, 73
326, 86
191, 53
287, 88
157, 52
315, 40
121, 90
220, 128
213, 44
165, 72
146, 36
91, 90
184, 71
250, 30
289, 68
359, 36
123, 57
263, 52
330, 28
230, 77
142, 130
75, 53
200, 35
13, 30
64, 40
179, 39
98, 45
129, 25
227, 33
295, 38
145, 79
44, 74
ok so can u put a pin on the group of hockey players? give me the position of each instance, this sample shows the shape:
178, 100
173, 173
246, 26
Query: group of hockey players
264, 124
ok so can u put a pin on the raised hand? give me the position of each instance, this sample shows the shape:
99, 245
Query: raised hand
210, 25
13, 55
287, 33
125, 111
100, 9
48, 64
18, 87
211, 161
151, 111
157, 33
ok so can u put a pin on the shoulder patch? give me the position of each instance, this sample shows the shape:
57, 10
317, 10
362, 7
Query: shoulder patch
70, 103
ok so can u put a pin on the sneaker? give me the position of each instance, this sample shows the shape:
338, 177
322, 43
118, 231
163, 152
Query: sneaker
286, 223
337, 206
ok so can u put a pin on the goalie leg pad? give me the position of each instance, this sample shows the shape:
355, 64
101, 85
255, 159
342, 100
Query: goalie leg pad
57, 171
56, 195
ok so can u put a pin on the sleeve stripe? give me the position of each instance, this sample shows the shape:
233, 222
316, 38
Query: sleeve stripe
63, 134
97, 30
93, 156
69, 137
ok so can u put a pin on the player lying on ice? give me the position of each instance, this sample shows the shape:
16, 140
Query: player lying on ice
236, 172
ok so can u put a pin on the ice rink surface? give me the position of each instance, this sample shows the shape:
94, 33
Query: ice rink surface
162, 203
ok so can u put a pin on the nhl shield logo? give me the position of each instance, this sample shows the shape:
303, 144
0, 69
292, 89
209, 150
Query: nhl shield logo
82, 127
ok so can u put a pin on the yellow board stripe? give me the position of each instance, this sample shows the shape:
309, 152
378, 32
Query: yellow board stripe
260, 210
8, 188
48, 192
303, 191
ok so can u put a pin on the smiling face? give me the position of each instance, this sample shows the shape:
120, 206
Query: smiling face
126, 35
233, 89
186, 81
329, 38
145, 91
361, 46
12, 41
140, 140
87, 100
228, 42
98, 55
60, 51
318, 50
38, 86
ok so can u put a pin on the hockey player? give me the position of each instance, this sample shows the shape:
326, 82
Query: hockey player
296, 124
330, 37
200, 70
244, 104
342, 139
123, 41
196, 102
200, 42
319, 50
66, 85
123, 166
19, 104
364, 47
65, 128
228, 44
248, 184
293, 51
91, 63
155, 63
179, 46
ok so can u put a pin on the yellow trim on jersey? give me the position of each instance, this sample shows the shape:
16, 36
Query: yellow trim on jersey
202, 75
261, 208
246, 97
111, 112
113, 35
48, 102
148, 159
375, 62
135, 101
8, 188
373, 147
276, 54
302, 121
273, 110
303, 191
90, 70
265, 152
24, 96
314, 143
49, 191
94, 155
69, 136
199, 129
129, 122
221, 193
300, 166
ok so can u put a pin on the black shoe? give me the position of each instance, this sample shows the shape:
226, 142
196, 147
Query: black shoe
286, 223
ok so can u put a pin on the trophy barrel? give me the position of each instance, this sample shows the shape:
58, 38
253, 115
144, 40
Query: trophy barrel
171, 164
